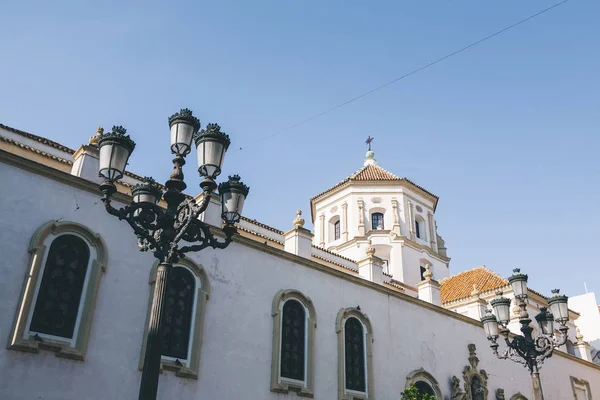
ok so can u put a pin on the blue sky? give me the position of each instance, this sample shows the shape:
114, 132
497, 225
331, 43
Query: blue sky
506, 133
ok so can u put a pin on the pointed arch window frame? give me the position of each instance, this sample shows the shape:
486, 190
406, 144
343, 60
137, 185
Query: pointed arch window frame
340, 329
190, 367
421, 375
21, 338
280, 384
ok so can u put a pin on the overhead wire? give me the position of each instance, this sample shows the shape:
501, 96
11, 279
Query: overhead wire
419, 69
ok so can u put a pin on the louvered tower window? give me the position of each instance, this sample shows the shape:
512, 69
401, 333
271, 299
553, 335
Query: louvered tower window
354, 342
178, 313
60, 290
293, 324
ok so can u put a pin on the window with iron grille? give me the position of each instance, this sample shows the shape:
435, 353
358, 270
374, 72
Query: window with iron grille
354, 342
293, 339
179, 305
59, 295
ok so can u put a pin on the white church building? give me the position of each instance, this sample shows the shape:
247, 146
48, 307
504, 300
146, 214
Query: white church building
369, 293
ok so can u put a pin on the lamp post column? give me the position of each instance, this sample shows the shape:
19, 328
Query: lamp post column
537, 384
151, 371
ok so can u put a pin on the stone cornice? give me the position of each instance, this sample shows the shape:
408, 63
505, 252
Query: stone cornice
396, 239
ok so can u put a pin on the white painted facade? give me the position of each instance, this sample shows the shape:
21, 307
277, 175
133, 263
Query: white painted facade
235, 363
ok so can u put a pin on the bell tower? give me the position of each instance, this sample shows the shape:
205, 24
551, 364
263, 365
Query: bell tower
393, 213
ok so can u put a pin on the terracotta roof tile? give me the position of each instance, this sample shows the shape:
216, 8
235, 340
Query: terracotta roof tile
40, 139
34, 150
267, 227
371, 173
460, 286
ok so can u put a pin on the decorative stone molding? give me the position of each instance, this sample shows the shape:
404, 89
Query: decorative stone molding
361, 218
475, 381
411, 221
500, 394
322, 230
183, 368
456, 392
342, 316
422, 375
75, 348
281, 384
396, 227
345, 222
577, 383
519, 396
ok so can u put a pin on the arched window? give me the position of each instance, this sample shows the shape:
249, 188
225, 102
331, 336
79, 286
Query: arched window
186, 294
334, 228
424, 382
377, 221
354, 355
59, 294
420, 228
424, 388
293, 340
355, 340
294, 325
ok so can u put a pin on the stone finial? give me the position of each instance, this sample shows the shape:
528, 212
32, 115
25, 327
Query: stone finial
579, 336
370, 249
427, 274
475, 292
96, 138
516, 310
299, 221
370, 159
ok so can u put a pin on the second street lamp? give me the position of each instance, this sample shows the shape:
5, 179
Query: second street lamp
525, 349
161, 230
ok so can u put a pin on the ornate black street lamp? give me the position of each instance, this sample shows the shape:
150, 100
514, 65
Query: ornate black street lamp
160, 230
525, 349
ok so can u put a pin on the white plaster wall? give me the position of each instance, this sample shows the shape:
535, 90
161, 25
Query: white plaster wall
236, 353
411, 265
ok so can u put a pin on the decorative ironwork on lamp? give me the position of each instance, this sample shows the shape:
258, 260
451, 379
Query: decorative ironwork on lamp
160, 230
525, 349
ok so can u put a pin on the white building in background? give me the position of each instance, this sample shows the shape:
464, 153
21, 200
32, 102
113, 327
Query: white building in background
589, 321
368, 298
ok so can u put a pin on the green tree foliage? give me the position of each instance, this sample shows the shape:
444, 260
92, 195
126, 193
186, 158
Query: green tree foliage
412, 393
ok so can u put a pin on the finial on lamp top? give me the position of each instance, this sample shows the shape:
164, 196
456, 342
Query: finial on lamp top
299, 221
370, 249
96, 138
427, 274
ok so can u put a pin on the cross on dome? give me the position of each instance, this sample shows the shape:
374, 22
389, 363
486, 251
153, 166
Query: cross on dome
370, 155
